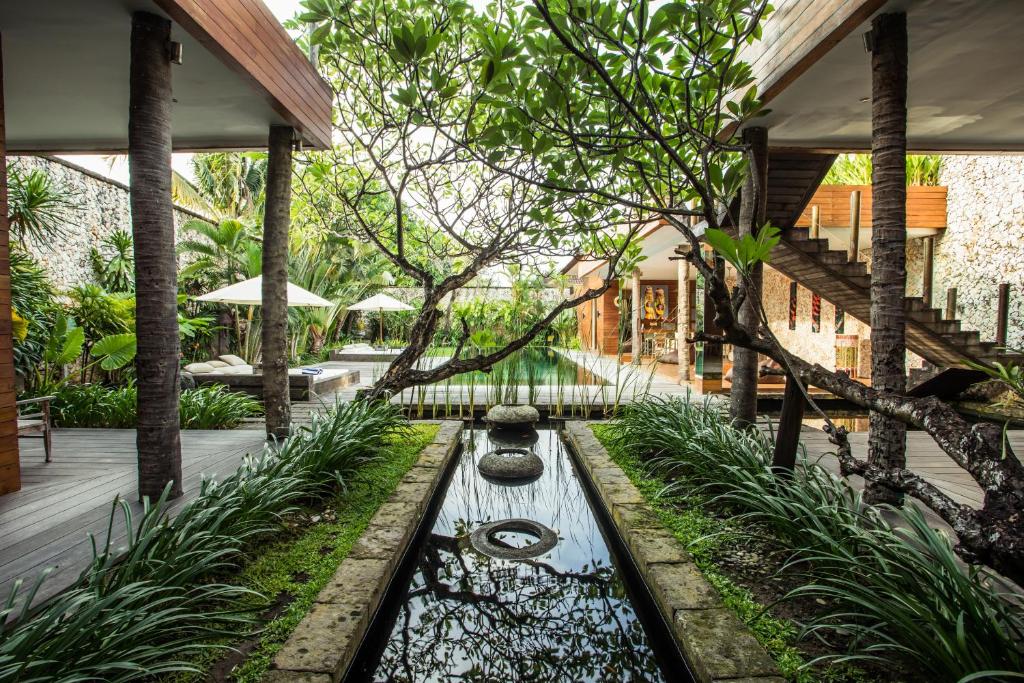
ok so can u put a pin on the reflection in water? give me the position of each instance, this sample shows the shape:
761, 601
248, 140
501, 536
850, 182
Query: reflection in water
563, 616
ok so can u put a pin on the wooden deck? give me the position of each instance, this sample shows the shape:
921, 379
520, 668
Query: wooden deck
48, 522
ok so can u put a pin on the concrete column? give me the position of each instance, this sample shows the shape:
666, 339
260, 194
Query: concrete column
276, 219
10, 468
636, 338
683, 318
156, 264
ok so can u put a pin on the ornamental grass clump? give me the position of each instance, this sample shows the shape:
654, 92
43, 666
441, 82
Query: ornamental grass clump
151, 605
892, 590
98, 406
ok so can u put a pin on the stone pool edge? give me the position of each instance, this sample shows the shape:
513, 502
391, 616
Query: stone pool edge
326, 641
717, 645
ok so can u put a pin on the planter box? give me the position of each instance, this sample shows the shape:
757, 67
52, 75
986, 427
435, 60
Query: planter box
926, 207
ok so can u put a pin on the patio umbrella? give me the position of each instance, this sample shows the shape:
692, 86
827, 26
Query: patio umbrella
380, 303
250, 293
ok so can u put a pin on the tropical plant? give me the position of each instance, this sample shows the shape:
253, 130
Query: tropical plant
95, 406
66, 345
32, 301
37, 208
855, 169
215, 407
98, 406
151, 607
220, 254
115, 270
895, 589
232, 183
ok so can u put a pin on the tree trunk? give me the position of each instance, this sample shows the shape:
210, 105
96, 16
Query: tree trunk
156, 267
887, 439
753, 213
276, 218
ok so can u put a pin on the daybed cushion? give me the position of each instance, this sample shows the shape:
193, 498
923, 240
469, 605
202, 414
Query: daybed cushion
199, 368
217, 363
232, 360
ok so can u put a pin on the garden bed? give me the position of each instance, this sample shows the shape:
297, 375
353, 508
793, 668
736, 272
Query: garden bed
897, 600
171, 595
290, 571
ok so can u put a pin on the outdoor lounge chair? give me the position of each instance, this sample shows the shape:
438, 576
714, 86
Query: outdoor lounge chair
36, 423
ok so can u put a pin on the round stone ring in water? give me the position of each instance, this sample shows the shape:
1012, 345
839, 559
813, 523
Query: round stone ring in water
484, 539
511, 463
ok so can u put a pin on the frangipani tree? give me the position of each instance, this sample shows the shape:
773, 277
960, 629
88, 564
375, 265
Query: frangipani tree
630, 104
405, 184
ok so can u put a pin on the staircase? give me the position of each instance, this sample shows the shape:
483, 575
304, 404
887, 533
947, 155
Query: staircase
793, 178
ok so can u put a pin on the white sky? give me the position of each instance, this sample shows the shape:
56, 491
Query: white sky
282, 9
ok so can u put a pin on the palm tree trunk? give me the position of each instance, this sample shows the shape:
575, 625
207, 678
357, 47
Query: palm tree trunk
887, 438
276, 219
156, 267
753, 212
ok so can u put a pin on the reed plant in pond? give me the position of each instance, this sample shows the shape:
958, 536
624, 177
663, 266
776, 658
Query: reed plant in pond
892, 589
149, 603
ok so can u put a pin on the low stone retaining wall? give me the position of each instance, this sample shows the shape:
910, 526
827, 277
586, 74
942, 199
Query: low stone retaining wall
717, 645
326, 641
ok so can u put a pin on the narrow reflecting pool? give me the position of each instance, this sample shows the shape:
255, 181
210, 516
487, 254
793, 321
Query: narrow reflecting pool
564, 615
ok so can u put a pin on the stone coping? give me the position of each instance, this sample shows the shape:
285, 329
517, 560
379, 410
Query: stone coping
325, 642
718, 646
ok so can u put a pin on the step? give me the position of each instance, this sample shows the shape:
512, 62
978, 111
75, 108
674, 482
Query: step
816, 246
833, 257
969, 338
851, 270
938, 326
928, 316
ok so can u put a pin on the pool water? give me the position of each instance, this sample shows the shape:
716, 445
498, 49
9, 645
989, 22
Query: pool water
536, 365
566, 615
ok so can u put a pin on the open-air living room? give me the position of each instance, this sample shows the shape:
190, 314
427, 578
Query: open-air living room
404, 340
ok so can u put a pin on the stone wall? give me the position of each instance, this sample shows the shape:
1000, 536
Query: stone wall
103, 207
815, 347
983, 244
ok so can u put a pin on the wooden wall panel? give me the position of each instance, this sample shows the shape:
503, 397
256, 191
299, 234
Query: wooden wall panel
797, 34
249, 39
926, 206
608, 318
10, 468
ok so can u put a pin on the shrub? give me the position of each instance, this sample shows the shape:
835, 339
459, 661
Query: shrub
31, 299
897, 590
94, 405
215, 407
148, 609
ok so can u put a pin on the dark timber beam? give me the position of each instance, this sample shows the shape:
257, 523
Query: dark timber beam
276, 218
10, 468
888, 44
156, 266
787, 437
753, 212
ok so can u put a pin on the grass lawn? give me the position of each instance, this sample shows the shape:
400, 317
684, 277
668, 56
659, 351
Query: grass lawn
705, 537
292, 570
